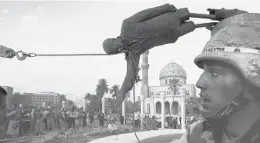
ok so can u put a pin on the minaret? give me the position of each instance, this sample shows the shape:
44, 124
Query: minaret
145, 67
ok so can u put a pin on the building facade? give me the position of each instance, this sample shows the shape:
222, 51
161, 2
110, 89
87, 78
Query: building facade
158, 99
45, 97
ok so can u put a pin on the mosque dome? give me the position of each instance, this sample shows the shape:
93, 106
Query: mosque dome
172, 69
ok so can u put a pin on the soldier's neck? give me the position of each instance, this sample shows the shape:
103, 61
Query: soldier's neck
241, 122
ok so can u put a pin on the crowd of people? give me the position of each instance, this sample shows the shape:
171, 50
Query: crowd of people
149, 121
22, 120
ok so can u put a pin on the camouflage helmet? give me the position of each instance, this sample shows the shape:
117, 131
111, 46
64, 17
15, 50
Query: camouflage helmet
236, 41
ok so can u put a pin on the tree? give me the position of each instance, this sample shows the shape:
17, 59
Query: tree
174, 85
131, 107
70, 103
102, 89
114, 90
110, 106
87, 96
94, 103
62, 98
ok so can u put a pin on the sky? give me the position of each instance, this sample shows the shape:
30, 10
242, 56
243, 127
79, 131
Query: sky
81, 27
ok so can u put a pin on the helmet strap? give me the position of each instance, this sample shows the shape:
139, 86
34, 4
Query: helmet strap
218, 123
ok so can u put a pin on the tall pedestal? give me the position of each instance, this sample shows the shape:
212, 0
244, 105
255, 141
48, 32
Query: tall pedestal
183, 108
163, 110
103, 105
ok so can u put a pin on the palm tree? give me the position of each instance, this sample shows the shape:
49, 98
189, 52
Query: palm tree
174, 85
114, 90
102, 89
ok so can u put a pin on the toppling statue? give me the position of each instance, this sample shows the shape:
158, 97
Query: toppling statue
150, 28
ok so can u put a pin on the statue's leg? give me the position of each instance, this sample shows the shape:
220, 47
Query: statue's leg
130, 78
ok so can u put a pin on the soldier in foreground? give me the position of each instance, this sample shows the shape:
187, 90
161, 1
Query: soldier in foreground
230, 83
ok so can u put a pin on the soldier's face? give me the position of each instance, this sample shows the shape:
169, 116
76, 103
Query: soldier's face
219, 84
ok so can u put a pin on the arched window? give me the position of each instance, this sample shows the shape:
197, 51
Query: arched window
148, 108
167, 107
158, 107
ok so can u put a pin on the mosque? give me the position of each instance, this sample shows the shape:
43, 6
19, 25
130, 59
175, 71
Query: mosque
160, 100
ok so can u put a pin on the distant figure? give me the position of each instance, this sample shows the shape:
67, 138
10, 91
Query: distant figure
71, 118
122, 119
39, 126
50, 119
91, 117
170, 120
174, 122
101, 118
84, 118
180, 120
63, 118
137, 119
14, 116
45, 112
33, 119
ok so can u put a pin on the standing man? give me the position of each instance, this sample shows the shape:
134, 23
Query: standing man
33, 119
3, 94
175, 122
101, 118
50, 118
84, 118
121, 119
